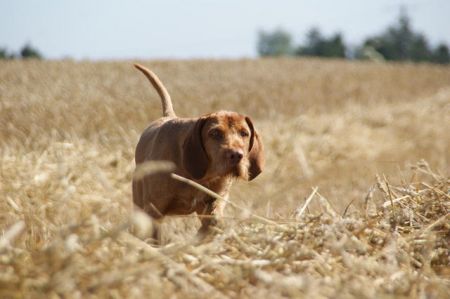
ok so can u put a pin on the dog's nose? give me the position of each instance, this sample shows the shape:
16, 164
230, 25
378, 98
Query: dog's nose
235, 156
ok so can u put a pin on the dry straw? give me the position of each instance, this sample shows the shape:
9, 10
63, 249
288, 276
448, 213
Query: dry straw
67, 136
402, 250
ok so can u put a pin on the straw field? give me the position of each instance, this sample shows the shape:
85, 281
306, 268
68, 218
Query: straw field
354, 201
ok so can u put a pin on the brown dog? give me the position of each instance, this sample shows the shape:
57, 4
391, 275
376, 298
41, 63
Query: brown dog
211, 150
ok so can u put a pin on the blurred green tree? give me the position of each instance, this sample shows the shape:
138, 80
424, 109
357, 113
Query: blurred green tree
400, 42
441, 54
276, 43
420, 50
4, 54
317, 45
28, 51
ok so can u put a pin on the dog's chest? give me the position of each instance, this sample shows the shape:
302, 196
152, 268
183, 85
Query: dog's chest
187, 203
189, 199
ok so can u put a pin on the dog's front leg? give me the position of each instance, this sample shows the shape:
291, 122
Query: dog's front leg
210, 214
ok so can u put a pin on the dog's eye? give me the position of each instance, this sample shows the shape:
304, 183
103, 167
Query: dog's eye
216, 134
244, 133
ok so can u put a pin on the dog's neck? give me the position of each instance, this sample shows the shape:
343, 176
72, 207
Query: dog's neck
219, 184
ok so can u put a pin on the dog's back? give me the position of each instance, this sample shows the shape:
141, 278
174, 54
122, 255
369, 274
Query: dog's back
159, 141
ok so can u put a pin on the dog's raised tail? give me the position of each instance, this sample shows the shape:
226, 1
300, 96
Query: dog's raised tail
162, 91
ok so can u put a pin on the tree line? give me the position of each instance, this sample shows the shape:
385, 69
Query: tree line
398, 42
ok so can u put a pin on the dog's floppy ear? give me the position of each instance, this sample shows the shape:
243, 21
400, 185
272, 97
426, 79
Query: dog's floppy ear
255, 152
195, 159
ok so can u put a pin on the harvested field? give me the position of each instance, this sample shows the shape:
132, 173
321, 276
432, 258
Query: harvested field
354, 201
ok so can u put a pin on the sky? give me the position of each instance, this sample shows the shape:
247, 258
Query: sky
177, 29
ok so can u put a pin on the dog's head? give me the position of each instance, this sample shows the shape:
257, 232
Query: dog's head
223, 144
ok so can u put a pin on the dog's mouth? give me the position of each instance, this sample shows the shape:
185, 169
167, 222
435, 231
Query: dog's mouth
238, 171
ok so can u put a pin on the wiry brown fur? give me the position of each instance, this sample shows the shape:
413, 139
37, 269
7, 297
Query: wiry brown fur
212, 150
